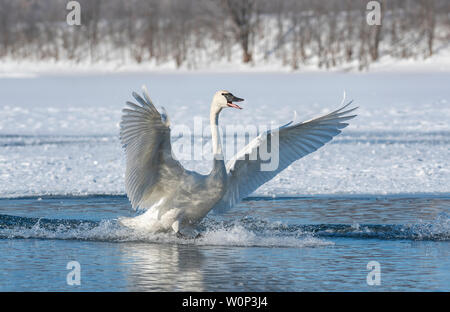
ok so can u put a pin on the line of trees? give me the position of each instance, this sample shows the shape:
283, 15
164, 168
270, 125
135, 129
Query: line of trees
197, 32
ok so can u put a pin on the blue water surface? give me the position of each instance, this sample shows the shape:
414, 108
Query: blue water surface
321, 243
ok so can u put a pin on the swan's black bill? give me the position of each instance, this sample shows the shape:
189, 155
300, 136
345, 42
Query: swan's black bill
231, 98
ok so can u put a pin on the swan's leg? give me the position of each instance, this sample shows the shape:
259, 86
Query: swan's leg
186, 232
183, 236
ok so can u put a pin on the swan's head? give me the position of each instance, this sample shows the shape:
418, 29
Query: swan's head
225, 99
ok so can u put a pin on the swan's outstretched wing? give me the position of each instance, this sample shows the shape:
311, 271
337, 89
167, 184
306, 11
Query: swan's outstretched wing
295, 141
145, 134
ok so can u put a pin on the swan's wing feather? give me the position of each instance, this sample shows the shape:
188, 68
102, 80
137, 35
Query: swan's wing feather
145, 135
294, 141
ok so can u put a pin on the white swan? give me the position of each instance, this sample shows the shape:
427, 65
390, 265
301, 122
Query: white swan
177, 199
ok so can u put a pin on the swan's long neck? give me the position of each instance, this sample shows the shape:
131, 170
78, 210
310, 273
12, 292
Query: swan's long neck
217, 179
214, 123
218, 175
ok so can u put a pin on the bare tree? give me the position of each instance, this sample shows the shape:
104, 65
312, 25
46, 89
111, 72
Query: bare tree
429, 24
243, 16
6, 25
375, 33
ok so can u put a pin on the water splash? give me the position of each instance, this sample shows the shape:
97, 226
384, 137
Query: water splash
213, 233
246, 232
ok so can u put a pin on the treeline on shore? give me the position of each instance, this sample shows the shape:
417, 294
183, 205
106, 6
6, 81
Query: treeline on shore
194, 32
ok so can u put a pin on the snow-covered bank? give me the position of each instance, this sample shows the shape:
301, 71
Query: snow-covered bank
12, 68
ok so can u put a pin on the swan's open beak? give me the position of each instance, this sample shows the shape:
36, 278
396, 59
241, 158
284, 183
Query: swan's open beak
231, 99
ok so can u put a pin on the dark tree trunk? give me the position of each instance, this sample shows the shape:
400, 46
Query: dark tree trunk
241, 13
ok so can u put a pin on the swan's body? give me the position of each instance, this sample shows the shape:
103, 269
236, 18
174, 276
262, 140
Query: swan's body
178, 199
